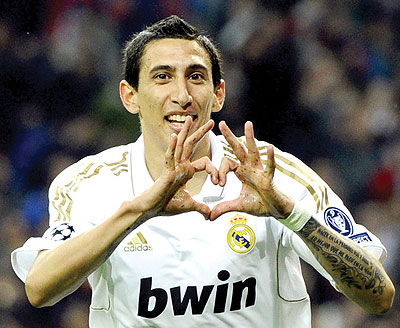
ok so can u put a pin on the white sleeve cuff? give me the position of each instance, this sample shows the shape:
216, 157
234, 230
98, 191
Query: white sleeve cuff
22, 258
297, 219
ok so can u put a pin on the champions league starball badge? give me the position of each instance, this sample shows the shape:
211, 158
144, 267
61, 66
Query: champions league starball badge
61, 232
339, 221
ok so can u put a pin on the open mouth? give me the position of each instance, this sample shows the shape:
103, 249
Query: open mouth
179, 120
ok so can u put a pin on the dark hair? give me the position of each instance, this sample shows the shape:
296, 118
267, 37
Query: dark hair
170, 27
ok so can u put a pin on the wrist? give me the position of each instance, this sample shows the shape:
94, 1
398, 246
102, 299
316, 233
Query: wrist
297, 218
129, 213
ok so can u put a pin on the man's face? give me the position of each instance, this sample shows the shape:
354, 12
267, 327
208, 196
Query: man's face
175, 81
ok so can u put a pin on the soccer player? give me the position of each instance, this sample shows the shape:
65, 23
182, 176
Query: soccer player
184, 228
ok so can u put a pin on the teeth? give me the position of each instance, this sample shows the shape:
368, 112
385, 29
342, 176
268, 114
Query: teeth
177, 118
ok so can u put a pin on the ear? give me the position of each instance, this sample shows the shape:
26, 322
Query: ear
219, 99
129, 97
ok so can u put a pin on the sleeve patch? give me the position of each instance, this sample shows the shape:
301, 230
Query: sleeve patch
62, 232
361, 237
338, 221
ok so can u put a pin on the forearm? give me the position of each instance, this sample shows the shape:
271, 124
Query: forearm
58, 272
357, 273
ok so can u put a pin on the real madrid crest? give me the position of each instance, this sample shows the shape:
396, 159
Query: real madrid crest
241, 237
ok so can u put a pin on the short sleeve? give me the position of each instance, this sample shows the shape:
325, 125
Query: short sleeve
64, 222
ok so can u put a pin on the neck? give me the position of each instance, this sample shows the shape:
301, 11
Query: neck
155, 162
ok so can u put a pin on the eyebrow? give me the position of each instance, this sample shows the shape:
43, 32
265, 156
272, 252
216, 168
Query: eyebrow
162, 68
197, 67
173, 69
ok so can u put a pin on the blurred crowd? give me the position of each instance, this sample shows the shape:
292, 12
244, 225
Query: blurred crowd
319, 78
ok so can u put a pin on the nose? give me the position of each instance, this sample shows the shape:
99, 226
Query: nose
181, 94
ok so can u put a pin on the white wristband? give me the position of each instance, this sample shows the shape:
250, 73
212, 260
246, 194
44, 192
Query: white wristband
298, 218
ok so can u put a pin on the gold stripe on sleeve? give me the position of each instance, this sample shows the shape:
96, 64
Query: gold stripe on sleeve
310, 189
118, 166
307, 172
78, 176
54, 203
229, 153
121, 171
81, 178
119, 162
63, 202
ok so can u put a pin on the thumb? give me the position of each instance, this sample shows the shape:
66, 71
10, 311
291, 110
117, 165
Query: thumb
202, 208
224, 207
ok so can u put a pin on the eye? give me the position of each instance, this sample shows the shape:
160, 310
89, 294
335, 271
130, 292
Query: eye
196, 76
161, 76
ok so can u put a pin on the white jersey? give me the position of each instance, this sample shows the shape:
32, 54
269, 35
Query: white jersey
184, 271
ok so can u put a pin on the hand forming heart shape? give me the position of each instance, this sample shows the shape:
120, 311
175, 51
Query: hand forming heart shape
259, 195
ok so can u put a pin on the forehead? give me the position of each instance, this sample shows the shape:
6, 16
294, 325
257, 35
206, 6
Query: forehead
174, 52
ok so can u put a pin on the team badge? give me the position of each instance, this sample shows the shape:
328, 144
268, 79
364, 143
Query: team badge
241, 237
339, 221
62, 232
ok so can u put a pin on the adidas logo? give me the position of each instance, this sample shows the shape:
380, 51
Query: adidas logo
138, 244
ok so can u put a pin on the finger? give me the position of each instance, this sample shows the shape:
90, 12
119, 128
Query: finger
191, 142
182, 138
238, 149
224, 207
227, 165
202, 208
205, 164
169, 155
270, 164
253, 153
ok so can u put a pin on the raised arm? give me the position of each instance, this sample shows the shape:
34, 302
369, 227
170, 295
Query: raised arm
60, 271
357, 273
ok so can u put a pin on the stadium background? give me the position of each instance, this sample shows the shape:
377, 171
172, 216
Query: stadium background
319, 78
